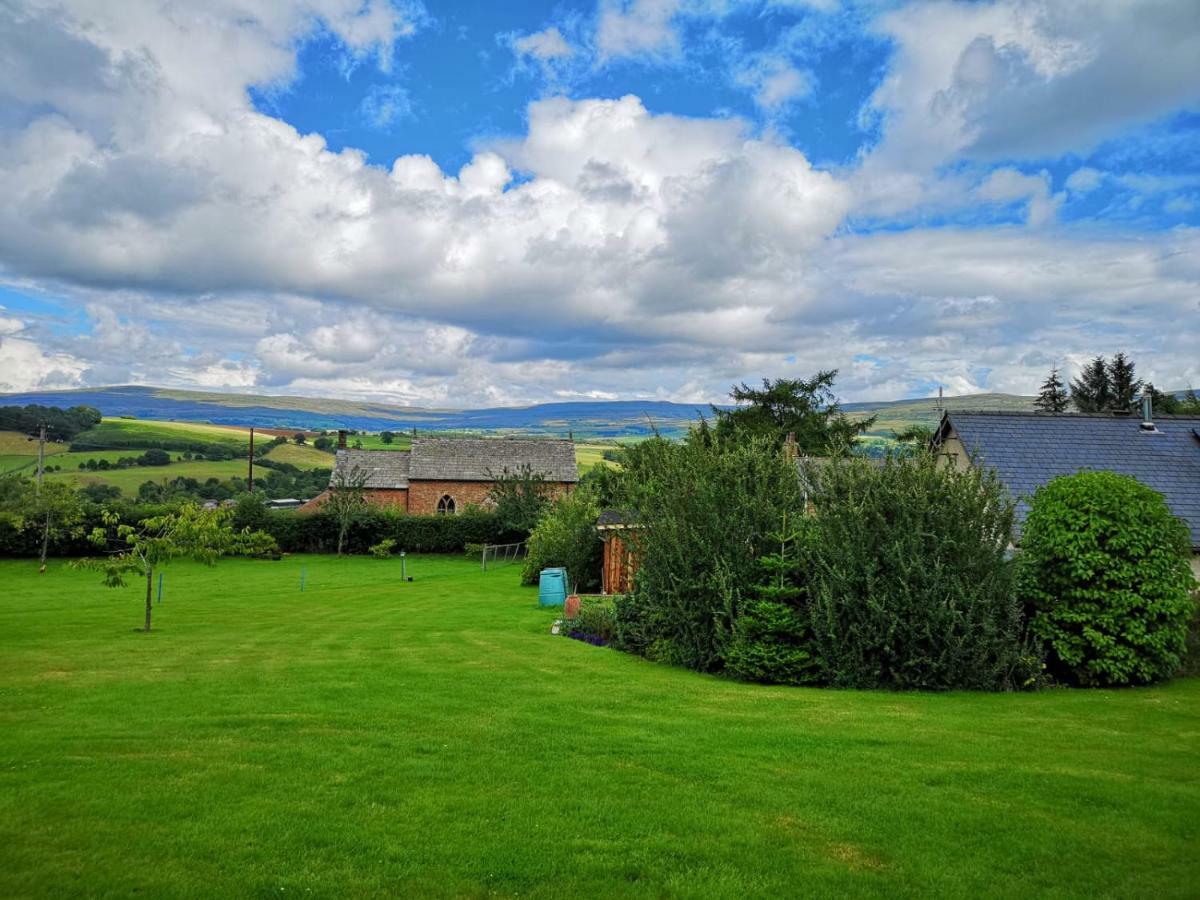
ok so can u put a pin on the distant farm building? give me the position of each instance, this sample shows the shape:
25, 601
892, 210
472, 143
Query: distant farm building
443, 476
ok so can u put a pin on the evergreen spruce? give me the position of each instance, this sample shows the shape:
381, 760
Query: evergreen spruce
1124, 385
1092, 390
1053, 397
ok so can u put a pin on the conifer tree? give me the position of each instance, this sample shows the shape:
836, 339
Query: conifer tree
1053, 396
1092, 391
1124, 385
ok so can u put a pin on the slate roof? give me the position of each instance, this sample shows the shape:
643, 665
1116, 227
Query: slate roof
384, 469
617, 518
484, 459
1029, 449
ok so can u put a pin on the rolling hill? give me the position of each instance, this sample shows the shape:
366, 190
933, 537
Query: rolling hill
586, 419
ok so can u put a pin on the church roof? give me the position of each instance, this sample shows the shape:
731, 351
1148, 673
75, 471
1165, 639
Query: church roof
457, 459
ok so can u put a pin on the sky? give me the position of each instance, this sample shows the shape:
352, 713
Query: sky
479, 203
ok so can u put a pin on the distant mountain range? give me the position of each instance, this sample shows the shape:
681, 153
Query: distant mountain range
590, 419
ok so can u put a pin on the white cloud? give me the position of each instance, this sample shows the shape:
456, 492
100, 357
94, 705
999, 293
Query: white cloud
775, 81
24, 366
545, 46
1020, 79
605, 251
1084, 180
385, 105
637, 27
1008, 185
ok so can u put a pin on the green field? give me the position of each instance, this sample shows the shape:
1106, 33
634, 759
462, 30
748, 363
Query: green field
374, 738
302, 456
129, 480
143, 433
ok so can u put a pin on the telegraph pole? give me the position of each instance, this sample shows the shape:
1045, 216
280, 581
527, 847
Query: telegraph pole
41, 455
250, 478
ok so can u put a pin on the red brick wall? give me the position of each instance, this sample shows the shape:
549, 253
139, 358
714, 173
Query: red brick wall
377, 498
423, 496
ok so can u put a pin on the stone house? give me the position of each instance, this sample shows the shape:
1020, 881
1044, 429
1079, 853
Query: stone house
443, 476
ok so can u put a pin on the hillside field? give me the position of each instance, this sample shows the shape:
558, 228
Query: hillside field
375, 737
129, 480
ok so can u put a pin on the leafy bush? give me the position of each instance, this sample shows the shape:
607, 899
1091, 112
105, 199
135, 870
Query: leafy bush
566, 536
708, 509
910, 585
1106, 580
383, 550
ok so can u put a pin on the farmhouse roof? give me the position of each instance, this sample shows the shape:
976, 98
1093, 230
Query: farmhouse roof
381, 469
485, 459
1029, 449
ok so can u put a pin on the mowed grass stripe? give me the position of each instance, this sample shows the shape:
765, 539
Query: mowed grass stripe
370, 737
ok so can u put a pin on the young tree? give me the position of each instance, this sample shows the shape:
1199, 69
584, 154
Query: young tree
346, 499
200, 534
1092, 391
806, 408
520, 498
55, 509
1124, 386
387, 436
1053, 396
299, 437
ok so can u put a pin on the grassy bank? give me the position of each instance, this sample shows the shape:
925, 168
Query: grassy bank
371, 737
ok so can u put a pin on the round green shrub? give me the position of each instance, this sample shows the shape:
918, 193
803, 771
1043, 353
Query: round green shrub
1105, 578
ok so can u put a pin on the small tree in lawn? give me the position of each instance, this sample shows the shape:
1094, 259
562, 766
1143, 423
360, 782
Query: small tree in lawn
193, 532
346, 500
1053, 396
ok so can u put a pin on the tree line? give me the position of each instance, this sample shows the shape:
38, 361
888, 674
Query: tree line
1108, 385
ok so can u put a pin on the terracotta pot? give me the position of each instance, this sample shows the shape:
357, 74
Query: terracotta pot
572, 609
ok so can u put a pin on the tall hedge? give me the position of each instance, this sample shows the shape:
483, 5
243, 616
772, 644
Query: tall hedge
707, 509
910, 586
1106, 579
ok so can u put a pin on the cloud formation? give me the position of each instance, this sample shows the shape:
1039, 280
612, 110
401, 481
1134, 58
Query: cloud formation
606, 249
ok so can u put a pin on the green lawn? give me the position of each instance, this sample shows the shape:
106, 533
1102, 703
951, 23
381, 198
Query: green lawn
374, 738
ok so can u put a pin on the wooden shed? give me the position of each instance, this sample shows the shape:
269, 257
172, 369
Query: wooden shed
618, 529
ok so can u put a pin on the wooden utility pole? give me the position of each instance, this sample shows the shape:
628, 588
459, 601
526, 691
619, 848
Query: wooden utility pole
250, 477
41, 455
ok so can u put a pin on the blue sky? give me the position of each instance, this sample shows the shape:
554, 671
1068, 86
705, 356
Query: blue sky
481, 203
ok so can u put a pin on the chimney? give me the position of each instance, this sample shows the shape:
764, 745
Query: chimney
1148, 409
341, 438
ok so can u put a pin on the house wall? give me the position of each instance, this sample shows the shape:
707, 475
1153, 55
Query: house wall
953, 453
423, 496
